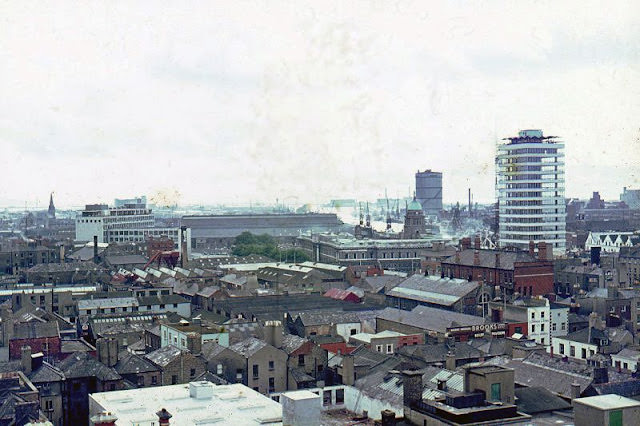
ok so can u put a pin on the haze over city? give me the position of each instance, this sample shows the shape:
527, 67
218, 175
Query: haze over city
254, 101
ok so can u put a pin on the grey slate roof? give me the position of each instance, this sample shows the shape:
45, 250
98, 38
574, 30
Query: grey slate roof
327, 317
488, 258
534, 400
164, 299
248, 347
433, 289
47, 373
427, 318
33, 330
82, 364
126, 259
134, 364
164, 355
291, 342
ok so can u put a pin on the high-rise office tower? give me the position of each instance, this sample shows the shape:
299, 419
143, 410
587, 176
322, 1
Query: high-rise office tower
530, 191
429, 192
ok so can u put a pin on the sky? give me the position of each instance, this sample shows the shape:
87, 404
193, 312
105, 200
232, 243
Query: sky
252, 101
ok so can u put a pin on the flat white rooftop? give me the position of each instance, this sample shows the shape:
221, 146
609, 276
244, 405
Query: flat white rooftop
198, 403
608, 402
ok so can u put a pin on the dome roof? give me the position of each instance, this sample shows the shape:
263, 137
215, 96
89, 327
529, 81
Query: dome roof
414, 205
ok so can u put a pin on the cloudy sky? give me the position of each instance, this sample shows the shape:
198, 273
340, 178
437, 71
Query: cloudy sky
307, 101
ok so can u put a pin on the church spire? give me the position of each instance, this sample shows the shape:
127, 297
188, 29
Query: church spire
52, 209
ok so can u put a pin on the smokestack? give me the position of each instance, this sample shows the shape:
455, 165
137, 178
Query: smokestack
532, 248
95, 248
184, 255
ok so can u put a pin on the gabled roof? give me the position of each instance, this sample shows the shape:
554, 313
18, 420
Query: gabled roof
248, 347
164, 355
34, 330
434, 289
535, 399
47, 373
82, 364
291, 343
134, 364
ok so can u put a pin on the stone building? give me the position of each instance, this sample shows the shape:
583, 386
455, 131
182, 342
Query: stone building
177, 366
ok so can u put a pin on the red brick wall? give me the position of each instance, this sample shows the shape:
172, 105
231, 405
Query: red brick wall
537, 277
37, 345
411, 339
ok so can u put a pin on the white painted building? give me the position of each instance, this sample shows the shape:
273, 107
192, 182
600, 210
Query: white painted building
530, 191
126, 223
538, 323
559, 320
178, 335
626, 359
578, 345
610, 242
196, 403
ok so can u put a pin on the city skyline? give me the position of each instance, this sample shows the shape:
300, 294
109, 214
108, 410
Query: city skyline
304, 103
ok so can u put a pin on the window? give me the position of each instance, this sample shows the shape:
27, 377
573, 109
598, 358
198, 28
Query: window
533, 328
533, 315
326, 398
542, 314
561, 349
572, 350
542, 341
563, 326
541, 327
583, 353
271, 366
389, 348
219, 369
378, 348
553, 326
48, 405
495, 392
353, 331
339, 396
140, 381
154, 380
300, 360
272, 384
255, 371
239, 375
174, 379
615, 418
192, 373
519, 330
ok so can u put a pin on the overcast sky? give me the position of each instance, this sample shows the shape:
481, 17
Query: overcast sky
308, 101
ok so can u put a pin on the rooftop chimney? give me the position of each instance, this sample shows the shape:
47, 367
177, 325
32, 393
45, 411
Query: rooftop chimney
532, 248
163, 417
476, 243
575, 390
497, 260
273, 333
595, 255
542, 250
95, 248
476, 258
412, 387
25, 359
388, 418
465, 243
600, 375
450, 362
103, 419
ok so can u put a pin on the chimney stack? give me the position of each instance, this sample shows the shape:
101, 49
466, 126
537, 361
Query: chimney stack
476, 258
542, 251
25, 359
388, 418
412, 387
95, 248
600, 375
450, 362
163, 417
273, 331
575, 390
465, 243
497, 260
532, 249
477, 242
